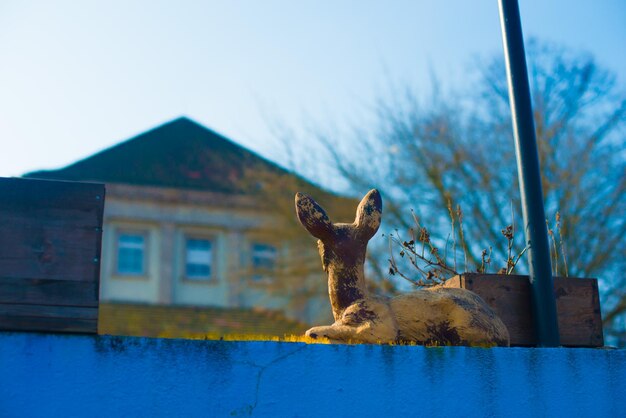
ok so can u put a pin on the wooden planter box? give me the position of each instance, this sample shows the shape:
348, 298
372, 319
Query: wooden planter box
577, 304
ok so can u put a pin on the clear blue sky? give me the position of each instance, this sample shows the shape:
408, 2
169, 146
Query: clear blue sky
79, 76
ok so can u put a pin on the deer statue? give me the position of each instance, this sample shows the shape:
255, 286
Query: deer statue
431, 316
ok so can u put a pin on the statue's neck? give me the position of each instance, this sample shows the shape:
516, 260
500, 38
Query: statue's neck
346, 285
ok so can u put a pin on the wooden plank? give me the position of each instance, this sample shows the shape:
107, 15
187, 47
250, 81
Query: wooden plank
43, 324
577, 300
67, 253
50, 229
47, 311
49, 292
28, 193
50, 217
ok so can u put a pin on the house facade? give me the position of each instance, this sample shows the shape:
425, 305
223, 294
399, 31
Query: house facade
184, 225
167, 246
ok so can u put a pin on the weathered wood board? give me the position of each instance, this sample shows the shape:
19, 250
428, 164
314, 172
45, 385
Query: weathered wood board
577, 304
50, 239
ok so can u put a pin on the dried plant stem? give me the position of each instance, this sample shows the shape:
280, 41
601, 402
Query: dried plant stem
564, 258
519, 256
485, 260
553, 251
459, 214
431, 267
483, 256
512, 230
509, 235
509, 249
453, 232
421, 230
561, 243
438, 268
393, 266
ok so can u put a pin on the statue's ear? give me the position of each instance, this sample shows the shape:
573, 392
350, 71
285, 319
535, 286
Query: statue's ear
368, 214
313, 217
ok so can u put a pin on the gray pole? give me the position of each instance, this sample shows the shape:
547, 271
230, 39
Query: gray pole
542, 291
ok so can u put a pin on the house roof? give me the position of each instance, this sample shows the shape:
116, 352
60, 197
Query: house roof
183, 155
178, 154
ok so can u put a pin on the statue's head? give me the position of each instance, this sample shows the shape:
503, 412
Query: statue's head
341, 245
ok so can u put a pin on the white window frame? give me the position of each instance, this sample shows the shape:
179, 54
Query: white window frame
144, 254
212, 261
261, 273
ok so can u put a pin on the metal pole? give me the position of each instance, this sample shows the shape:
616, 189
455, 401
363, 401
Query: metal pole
542, 291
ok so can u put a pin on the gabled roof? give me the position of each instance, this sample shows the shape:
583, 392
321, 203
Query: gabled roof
178, 154
183, 155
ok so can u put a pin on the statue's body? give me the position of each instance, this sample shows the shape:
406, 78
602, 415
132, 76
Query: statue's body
435, 316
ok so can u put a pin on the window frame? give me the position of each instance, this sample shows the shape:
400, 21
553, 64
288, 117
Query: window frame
212, 239
146, 252
262, 274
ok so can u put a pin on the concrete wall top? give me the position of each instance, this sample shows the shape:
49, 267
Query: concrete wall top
79, 376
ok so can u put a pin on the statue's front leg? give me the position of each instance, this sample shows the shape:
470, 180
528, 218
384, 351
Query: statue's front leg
343, 333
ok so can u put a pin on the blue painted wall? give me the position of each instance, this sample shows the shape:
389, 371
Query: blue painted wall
44, 375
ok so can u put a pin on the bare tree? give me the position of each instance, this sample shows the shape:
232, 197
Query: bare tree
457, 149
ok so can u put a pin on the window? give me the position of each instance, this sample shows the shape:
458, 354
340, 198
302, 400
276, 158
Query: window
263, 260
130, 253
198, 259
